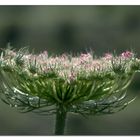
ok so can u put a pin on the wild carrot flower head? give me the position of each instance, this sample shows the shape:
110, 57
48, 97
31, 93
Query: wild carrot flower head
81, 84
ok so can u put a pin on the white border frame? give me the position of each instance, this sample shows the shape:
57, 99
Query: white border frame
69, 2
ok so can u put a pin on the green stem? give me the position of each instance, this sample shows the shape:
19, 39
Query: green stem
60, 121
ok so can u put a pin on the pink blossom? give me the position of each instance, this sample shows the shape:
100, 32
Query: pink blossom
85, 57
72, 76
127, 54
108, 56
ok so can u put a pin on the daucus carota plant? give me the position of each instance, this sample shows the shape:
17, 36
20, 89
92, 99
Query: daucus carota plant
58, 85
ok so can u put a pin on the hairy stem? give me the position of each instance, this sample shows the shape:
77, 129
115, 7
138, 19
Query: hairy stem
60, 121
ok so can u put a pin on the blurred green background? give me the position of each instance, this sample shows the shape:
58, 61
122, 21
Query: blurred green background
60, 29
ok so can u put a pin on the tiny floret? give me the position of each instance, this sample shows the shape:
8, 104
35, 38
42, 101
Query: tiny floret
127, 54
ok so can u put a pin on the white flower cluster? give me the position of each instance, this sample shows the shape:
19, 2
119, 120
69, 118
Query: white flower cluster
65, 66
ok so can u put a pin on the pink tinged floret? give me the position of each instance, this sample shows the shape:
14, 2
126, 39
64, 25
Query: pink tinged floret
72, 76
43, 56
9, 54
44, 53
66, 65
127, 54
108, 56
64, 56
12, 53
85, 57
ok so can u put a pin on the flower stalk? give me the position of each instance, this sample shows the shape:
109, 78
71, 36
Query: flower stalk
61, 115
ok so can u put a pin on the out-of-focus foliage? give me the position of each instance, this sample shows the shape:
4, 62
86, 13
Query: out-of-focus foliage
60, 29
71, 28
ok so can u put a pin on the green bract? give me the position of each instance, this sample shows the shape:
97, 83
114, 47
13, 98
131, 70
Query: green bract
80, 84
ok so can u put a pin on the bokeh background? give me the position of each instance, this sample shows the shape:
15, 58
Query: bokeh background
72, 29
